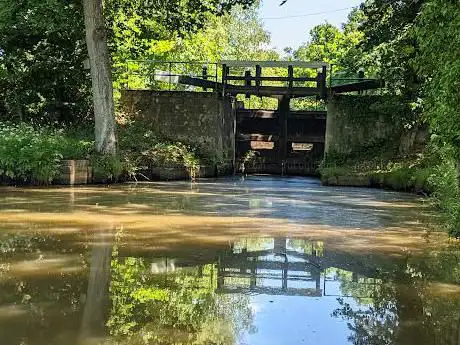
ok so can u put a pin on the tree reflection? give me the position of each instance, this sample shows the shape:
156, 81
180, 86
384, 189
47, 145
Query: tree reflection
180, 307
409, 307
97, 297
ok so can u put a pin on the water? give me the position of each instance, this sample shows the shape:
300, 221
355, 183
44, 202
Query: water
260, 261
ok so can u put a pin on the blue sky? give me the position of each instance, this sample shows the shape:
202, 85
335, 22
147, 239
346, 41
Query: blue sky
291, 32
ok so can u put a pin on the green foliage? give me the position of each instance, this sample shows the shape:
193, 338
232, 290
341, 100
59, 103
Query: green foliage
444, 182
330, 44
33, 155
437, 32
179, 307
106, 168
238, 35
41, 61
389, 47
408, 174
43, 49
141, 149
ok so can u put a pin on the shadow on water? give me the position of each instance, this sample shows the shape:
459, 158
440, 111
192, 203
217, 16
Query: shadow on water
224, 262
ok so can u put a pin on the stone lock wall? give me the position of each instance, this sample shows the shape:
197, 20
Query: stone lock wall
200, 118
357, 122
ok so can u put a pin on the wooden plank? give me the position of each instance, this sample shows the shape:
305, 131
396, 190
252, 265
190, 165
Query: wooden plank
272, 90
284, 79
309, 139
257, 137
291, 76
307, 115
280, 64
271, 291
186, 80
258, 76
256, 114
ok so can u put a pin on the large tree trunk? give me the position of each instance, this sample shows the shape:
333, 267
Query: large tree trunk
101, 76
97, 298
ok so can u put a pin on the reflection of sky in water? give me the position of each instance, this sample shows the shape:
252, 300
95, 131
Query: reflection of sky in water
298, 320
304, 317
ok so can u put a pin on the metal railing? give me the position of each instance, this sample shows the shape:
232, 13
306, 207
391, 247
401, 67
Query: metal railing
166, 75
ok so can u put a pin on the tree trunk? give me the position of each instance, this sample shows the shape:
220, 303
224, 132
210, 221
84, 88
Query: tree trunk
97, 298
99, 59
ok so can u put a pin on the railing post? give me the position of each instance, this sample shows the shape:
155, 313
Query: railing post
258, 76
127, 75
170, 81
216, 76
225, 71
361, 78
247, 82
205, 75
291, 76
324, 78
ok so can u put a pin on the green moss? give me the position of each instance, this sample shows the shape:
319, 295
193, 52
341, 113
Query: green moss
407, 176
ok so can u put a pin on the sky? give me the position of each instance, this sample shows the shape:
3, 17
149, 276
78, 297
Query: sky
293, 31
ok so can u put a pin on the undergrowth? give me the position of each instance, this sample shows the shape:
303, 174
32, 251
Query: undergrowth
33, 154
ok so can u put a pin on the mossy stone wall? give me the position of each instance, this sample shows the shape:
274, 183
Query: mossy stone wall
359, 123
200, 118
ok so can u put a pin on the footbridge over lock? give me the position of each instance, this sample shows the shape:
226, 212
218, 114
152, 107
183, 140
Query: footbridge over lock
276, 141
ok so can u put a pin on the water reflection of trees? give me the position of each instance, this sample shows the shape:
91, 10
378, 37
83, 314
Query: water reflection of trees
417, 301
180, 307
412, 305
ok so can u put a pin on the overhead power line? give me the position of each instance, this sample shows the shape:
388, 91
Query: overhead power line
309, 14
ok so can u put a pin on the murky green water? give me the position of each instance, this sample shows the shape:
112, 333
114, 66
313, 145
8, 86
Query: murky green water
261, 261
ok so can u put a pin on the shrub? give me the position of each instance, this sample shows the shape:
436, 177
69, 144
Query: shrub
33, 155
400, 178
106, 168
141, 149
443, 180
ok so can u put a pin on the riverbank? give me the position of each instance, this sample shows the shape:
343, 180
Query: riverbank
402, 179
427, 176
45, 155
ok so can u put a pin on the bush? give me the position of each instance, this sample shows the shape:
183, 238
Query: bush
443, 180
107, 169
400, 178
33, 155
141, 149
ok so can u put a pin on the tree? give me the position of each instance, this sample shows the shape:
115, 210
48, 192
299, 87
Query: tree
41, 62
439, 41
100, 64
390, 45
43, 40
239, 35
177, 15
333, 45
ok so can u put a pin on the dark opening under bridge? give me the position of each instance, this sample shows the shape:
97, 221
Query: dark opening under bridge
286, 141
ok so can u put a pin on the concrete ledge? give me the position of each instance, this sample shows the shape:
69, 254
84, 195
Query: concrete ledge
182, 173
348, 181
74, 172
167, 174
